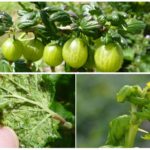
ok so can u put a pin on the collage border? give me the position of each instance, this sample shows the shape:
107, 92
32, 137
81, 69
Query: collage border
77, 73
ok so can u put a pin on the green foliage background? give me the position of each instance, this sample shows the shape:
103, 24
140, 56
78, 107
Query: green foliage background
97, 106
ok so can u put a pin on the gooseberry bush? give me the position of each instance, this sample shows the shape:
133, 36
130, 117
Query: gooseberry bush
124, 128
72, 37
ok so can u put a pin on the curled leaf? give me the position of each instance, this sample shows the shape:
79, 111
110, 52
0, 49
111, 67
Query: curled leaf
135, 26
129, 93
146, 136
5, 22
118, 129
124, 93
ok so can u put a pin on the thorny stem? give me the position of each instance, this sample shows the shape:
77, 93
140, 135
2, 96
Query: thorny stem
133, 127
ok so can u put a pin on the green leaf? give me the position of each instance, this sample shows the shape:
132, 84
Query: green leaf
60, 16
117, 18
25, 104
135, 26
146, 136
5, 22
131, 94
40, 5
128, 54
5, 66
124, 93
90, 27
28, 19
144, 113
3, 104
118, 129
60, 109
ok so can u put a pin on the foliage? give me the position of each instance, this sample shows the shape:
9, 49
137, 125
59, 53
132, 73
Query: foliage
117, 22
28, 105
98, 97
127, 126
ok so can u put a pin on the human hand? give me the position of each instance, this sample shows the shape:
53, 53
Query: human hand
8, 138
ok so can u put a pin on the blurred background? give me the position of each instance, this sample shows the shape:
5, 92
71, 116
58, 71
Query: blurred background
97, 106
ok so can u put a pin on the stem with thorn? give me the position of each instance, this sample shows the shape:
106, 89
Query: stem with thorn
133, 127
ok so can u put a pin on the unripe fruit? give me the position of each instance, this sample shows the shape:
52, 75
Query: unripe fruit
75, 52
108, 58
33, 50
12, 49
52, 55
